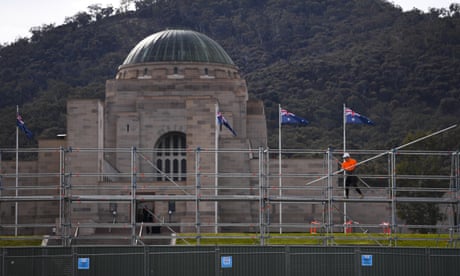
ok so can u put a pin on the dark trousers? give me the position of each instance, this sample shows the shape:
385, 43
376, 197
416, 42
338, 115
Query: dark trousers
351, 181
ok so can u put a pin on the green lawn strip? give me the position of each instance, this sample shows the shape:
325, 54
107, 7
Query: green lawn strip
12, 241
362, 239
339, 239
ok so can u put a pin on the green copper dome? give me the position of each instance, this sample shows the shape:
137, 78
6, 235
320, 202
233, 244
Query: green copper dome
178, 45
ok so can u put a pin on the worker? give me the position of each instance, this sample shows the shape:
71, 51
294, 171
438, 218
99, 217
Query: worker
351, 180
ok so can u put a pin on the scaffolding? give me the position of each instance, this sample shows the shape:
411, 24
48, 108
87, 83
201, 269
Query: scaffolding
71, 205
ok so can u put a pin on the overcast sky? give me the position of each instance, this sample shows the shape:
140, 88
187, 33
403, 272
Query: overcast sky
18, 16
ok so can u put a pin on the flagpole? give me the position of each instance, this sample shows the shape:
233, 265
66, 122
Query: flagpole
280, 184
344, 129
344, 173
216, 168
17, 174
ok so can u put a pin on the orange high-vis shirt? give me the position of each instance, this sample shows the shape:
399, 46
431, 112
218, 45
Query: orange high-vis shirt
349, 164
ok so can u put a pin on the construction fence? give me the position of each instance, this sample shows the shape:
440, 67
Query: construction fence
228, 260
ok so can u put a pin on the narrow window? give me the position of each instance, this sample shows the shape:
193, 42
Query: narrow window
170, 157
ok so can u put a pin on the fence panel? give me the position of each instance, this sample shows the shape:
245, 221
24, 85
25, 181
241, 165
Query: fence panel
322, 261
111, 261
37, 262
444, 261
228, 261
191, 261
253, 261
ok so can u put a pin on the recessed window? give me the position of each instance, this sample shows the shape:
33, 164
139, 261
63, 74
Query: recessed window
170, 157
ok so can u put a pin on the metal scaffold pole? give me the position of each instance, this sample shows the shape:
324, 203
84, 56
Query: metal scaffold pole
266, 167
16, 213
329, 197
457, 192
262, 197
1, 188
61, 185
133, 195
393, 195
197, 196
453, 187
216, 169
66, 225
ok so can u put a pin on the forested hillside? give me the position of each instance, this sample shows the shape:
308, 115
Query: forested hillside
402, 70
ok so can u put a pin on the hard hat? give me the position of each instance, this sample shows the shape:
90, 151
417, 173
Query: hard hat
346, 155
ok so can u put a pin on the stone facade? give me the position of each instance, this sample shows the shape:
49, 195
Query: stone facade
143, 104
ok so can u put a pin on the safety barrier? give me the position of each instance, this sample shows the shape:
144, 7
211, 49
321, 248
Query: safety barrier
228, 261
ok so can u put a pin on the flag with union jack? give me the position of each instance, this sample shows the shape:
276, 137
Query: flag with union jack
222, 121
352, 117
22, 126
292, 119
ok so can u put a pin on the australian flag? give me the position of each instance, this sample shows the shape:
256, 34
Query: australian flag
352, 117
222, 121
292, 119
22, 126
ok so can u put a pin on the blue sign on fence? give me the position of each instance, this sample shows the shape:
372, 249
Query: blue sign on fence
366, 260
226, 261
83, 263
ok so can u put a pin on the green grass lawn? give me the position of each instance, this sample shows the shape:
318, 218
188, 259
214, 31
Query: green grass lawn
320, 239
335, 239
10, 241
